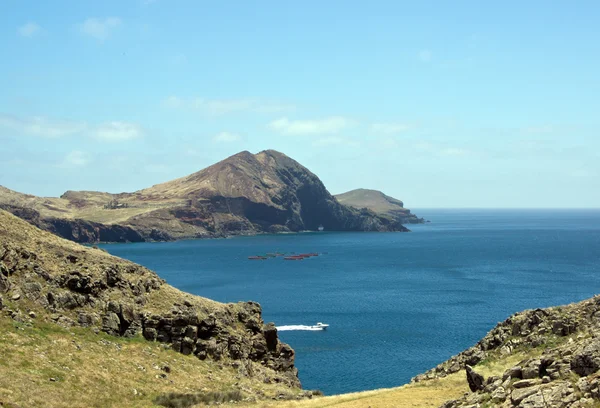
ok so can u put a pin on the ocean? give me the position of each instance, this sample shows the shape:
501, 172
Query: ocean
397, 303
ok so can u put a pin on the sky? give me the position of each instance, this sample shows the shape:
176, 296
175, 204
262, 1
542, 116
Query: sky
442, 104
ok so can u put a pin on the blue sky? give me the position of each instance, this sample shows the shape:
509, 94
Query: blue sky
440, 103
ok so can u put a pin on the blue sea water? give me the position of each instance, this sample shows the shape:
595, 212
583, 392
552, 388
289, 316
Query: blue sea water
398, 303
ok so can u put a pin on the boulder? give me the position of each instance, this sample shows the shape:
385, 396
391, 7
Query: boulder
111, 324
4, 283
520, 394
588, 360
474, 379
513, 372
187, 345
525, 383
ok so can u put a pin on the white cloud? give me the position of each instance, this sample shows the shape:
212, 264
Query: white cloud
425, 55
335, 141
389, 128
333, 124
29, 30
388, 142
76, 158
453, 151
423, 146
117, 131
99, 28
41, 126
226, 137
438, 150
217, 107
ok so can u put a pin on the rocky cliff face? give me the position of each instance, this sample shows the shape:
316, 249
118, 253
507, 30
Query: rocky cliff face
78, 230
76, 286
243, 194
562, 368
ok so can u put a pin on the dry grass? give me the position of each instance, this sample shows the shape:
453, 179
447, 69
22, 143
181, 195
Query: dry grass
48, 366
425, 394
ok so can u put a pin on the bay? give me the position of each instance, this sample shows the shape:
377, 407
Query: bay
397, 303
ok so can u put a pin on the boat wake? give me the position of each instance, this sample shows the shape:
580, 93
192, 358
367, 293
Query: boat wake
298, 327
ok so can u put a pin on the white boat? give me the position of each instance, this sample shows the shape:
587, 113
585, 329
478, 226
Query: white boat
321, 326
321, 228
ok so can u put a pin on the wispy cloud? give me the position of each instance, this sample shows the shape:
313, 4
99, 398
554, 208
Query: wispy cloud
117, 131
226, 137
425, 55
76, 158
41, 126
333, 124
99, 28
453, 151
217, 107
335, 141
389, 128
444, 151
29, 29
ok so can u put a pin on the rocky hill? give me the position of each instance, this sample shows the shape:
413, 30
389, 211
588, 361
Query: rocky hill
55, 294
243, 194
379, 203
558, 365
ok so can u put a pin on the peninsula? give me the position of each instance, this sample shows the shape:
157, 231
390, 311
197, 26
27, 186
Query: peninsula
244, 194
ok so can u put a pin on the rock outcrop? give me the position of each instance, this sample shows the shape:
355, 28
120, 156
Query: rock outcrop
77, 286
562, 345
243, 194
77, 230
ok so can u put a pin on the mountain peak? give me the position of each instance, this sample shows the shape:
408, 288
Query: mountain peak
243, 194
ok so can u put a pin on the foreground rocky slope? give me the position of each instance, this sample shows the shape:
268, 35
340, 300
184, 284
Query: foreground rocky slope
243, 194
48, 281
381, 204
560, 365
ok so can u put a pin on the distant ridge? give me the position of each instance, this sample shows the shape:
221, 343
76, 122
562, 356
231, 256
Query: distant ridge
241, 195
379, 203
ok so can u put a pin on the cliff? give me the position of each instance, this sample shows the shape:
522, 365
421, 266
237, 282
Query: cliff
381, 204
243, 194
48, 284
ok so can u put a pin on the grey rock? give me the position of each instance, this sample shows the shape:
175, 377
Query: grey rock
519, 395
588, 360
525, 383
513, 372
474, 379
111, 324
499, 395
270, 333
4, 283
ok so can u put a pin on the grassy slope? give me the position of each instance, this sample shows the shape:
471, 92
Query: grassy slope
431, 393
98, 370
